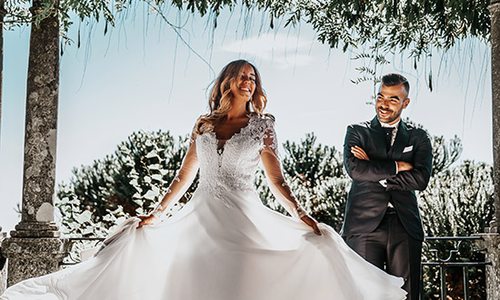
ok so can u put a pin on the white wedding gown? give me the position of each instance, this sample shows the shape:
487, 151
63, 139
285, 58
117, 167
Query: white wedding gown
224, 244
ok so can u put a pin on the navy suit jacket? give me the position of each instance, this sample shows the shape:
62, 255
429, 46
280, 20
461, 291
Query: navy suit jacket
367, 199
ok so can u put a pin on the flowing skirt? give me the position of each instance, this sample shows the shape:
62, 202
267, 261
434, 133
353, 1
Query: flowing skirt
218, 248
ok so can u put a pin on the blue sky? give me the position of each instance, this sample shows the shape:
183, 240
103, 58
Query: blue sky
141, 76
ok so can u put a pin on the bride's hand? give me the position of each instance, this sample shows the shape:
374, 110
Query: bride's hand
147, 220
312, 223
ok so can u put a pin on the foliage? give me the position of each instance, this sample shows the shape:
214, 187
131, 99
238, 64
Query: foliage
387, 25
137, 174
444, 153
373, 30
316, 176
461, 195
418, 25
127, 183
458, 200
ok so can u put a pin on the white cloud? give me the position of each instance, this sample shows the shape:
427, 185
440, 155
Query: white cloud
284, 50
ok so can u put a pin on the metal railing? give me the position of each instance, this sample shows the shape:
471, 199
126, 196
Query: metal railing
453, 254
74, 247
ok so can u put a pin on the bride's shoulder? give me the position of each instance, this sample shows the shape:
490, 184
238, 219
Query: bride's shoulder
202, 124
264, 117
264, 122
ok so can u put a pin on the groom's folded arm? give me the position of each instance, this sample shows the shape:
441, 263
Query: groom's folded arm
364, 170
418, 177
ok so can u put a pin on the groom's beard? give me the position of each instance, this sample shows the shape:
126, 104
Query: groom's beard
387, 116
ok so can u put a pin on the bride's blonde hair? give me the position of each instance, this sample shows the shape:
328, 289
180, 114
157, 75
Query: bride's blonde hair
220, 101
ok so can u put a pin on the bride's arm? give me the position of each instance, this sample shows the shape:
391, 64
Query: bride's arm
276, 181
179, 185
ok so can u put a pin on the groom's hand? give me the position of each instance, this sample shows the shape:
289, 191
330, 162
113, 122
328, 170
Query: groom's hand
404, 166
359, 153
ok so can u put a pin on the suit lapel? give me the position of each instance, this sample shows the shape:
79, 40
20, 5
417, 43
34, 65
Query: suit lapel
402, 138
378, 138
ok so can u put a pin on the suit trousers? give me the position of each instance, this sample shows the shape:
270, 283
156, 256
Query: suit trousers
392, 249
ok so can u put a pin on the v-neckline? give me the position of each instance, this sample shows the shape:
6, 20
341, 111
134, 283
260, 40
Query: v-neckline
221, 143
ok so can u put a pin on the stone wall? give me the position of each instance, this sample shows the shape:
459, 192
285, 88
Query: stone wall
490, 243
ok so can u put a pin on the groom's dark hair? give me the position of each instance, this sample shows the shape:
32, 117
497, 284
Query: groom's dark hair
396, 79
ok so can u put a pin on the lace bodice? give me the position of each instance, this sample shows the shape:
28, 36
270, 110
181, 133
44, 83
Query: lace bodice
231, 166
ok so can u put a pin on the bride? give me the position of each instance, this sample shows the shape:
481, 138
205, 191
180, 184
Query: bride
224, 244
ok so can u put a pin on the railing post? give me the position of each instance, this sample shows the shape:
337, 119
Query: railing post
442, 282
465, 271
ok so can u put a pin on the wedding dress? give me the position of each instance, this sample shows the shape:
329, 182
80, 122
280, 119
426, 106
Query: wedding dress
224, 244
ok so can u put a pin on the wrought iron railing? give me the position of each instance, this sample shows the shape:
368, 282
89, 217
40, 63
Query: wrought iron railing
443, 256
74, 247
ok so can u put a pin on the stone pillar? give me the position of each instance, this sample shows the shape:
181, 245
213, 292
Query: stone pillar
495, 82
3, 264
34, 247
491, 244
491, 239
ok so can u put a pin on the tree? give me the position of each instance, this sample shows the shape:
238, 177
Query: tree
458, 200
132, 179
315, 174
388, 25
127, 183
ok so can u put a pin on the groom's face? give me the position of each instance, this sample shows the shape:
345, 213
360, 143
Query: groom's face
391, 100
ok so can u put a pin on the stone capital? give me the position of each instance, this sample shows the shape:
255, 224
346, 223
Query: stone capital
36, 230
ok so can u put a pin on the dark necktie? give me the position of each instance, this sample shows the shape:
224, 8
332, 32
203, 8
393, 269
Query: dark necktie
388, 137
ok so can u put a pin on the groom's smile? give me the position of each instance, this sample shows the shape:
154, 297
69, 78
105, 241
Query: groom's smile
391, 100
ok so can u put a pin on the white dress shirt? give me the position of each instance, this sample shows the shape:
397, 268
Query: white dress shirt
383, 182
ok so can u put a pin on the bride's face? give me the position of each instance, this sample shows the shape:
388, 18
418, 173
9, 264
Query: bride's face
243, 86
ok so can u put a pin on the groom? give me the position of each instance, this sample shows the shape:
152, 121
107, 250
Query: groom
387, 160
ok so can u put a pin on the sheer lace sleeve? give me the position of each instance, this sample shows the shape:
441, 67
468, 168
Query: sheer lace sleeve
274, 174
183, 179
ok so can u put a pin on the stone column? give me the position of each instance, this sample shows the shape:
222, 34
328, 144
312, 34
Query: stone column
495, 82
34, 247
3, 264
491, 244
491, 239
